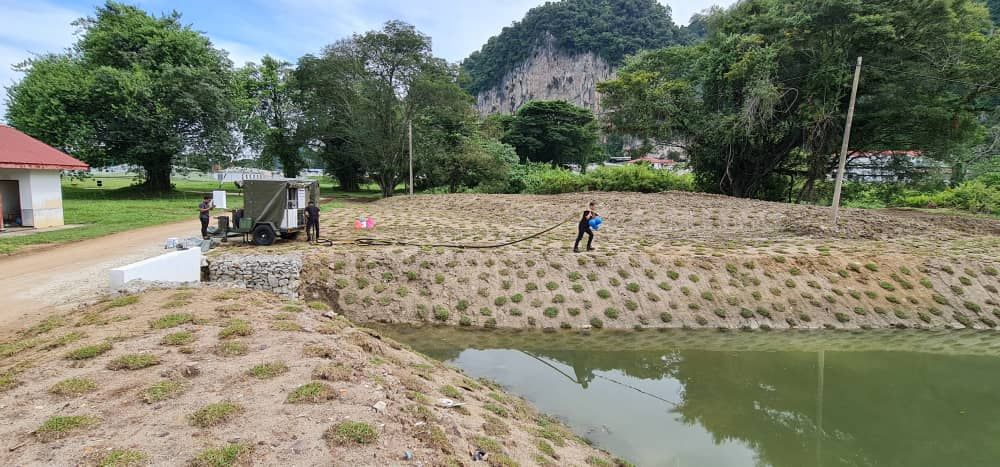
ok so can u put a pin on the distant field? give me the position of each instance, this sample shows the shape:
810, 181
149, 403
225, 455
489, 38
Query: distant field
116, 207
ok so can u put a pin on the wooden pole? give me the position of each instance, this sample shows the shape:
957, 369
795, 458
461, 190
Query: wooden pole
409, 130
843, 147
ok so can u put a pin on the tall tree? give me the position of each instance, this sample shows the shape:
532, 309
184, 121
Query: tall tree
373, 90
145, 91
556, 132
762, 100
270, 90
327, 95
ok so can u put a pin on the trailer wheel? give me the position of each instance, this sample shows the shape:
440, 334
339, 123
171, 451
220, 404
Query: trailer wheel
263, 235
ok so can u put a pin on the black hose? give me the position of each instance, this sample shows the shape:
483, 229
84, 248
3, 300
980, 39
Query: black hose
379, 242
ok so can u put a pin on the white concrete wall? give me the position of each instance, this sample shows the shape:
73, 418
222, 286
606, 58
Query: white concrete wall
176, 266
41, 196
46, 199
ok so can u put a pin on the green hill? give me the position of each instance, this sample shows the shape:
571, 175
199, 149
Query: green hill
611, 29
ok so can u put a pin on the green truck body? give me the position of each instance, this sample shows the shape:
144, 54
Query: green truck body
275, 208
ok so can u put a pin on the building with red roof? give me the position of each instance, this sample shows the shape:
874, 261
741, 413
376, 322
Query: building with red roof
30, 188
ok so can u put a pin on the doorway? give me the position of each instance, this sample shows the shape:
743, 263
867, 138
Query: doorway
10, 200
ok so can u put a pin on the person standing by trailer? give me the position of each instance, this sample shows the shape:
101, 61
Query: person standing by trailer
312, 222
204, 210
584, 228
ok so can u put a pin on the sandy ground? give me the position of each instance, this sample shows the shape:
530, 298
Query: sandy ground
365, 378
36, 283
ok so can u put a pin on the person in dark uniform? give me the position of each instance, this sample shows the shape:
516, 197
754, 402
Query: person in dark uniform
584, 228
203, 214
312, 221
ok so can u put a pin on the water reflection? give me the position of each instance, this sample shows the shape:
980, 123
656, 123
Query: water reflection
682, 407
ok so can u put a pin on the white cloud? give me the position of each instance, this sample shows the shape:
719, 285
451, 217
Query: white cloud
239, 52
682, 10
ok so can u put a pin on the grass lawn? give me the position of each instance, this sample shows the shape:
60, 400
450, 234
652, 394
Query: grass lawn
116, 207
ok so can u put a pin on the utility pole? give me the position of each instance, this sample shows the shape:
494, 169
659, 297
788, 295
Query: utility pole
409, 131
843, 147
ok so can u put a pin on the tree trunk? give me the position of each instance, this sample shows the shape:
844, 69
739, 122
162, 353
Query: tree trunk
347, 180
386, 184
157, 175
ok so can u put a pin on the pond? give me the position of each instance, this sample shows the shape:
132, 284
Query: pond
692, 398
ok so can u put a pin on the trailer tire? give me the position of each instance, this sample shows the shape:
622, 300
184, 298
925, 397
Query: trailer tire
263, 235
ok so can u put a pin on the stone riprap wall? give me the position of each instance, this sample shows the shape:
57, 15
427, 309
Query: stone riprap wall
278, 274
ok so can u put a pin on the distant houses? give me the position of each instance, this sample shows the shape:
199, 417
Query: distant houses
891, 166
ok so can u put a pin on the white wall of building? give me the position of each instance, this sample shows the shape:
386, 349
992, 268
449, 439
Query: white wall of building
41, 196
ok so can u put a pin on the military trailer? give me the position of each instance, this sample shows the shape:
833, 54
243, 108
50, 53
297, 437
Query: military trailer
272, 209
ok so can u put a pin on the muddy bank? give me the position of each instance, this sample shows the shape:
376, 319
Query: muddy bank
230, 377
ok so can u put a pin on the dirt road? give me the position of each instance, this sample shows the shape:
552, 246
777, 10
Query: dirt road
59, 278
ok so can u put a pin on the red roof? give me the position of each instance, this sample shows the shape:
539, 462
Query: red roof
20, 151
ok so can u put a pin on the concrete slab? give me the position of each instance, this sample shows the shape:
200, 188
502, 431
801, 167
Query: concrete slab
180, 266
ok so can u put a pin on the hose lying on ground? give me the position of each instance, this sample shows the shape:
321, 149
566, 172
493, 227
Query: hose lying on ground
381, 242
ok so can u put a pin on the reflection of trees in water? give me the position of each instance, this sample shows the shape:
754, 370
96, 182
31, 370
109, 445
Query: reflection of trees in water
877, 408
644, 365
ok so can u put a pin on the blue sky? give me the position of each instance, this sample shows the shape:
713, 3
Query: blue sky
288, 29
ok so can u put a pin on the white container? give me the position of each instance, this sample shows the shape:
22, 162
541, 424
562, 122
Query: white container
219, 199
291, 219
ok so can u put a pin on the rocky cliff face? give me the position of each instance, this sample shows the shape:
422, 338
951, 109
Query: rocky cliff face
548, 75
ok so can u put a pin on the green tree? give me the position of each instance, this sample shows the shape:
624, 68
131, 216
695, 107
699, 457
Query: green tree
327, 96
271, 94
761, 102
361, 94
555, 132
134, 89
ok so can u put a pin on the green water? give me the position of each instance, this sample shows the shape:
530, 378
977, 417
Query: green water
760, 399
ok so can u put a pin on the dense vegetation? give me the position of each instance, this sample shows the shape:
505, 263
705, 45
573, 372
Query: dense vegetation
760, 104
133, 89
556, 132
611, 29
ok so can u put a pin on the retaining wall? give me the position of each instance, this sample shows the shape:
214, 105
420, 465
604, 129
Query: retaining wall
278, 274
182, 266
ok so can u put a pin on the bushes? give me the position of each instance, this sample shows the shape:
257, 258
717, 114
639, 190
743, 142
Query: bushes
981, 195
637, 177
542, 179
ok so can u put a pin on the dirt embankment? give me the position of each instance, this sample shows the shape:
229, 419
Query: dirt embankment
639, 290
228, 377
662, 260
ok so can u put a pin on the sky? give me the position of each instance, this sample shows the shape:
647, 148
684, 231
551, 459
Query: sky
288, 29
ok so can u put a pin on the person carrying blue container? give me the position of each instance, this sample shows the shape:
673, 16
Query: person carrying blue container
588, 223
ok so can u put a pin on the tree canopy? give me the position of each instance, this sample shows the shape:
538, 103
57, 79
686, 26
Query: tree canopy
763, 99
134, 89
611, 29
270, 93
555, 132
